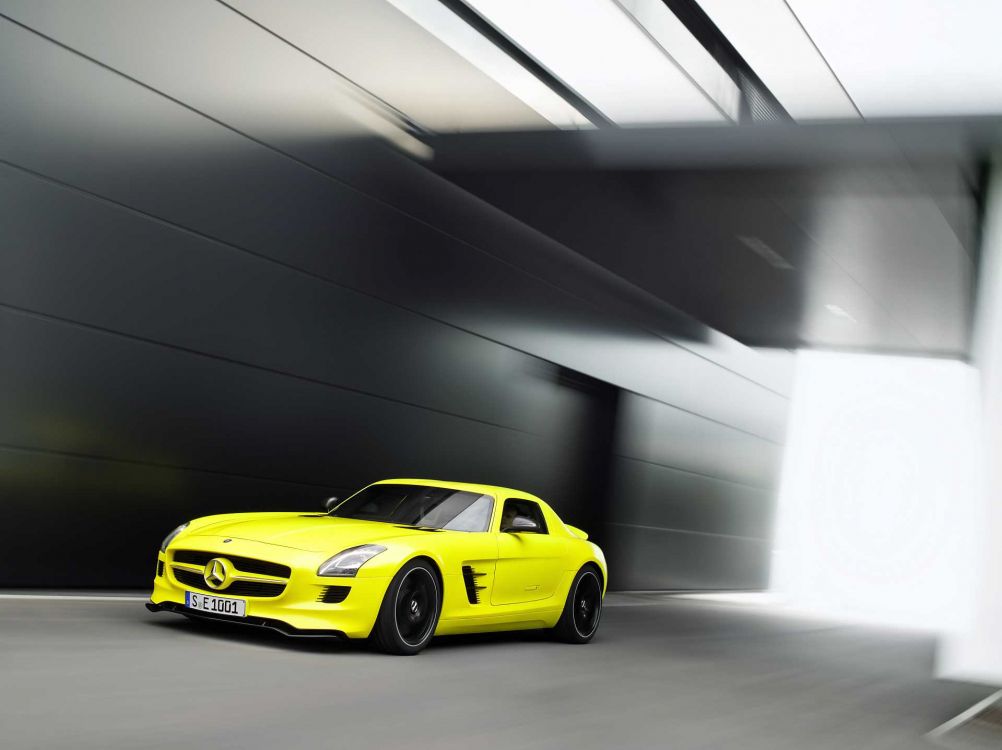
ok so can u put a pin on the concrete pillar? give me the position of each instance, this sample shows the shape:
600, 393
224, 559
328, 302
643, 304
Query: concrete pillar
975, 653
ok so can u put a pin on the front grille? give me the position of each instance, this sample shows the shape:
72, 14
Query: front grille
243, 564
334, 594
194, 580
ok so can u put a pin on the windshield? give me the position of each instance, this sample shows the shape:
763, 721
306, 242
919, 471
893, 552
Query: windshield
419, 505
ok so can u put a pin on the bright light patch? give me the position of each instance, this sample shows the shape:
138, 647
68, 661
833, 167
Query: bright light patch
880, 489
468, 43
598, 50
840, 312
909, 57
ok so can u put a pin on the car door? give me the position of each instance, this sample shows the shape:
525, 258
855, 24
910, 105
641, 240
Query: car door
530, 564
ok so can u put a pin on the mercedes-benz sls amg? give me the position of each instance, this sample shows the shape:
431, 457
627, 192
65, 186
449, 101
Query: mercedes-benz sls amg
398, 562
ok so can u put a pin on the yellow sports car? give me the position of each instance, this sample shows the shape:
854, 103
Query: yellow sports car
398, 562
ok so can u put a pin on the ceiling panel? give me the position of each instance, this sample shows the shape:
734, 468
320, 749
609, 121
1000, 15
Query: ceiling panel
874, 251
771, 39
604, 55
676, 40
911, 57
384, 51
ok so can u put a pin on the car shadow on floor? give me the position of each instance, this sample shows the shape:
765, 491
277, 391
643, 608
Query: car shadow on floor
248, 635
321, 645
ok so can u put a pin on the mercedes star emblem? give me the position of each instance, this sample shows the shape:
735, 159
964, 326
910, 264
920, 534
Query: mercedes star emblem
215, 573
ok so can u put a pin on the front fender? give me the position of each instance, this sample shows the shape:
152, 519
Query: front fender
386, 564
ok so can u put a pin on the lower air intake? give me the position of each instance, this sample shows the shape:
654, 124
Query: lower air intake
334, 594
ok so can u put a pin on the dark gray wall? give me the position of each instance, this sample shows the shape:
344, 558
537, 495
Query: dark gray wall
748, 229
204, 309
691, 501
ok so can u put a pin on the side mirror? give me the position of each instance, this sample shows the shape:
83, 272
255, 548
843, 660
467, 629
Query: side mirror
330, 503
521, 523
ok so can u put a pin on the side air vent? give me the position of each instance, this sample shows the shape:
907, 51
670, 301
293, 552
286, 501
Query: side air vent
470, 577
160, 568
334, 594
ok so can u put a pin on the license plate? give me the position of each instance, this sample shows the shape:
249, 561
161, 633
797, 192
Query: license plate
217, 605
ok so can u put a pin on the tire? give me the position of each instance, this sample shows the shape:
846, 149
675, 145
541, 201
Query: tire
579, 621
409, 613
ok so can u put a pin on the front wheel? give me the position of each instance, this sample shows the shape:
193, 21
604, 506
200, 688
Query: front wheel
583, 609
409, 613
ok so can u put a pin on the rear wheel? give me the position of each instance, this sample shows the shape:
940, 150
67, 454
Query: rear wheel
583, 609
409, 612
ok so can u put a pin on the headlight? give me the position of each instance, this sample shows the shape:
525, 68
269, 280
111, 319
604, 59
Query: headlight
170, 537
346, 564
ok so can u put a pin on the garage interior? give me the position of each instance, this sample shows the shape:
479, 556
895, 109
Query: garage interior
691, 271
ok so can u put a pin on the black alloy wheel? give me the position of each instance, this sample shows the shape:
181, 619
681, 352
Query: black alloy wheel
587, 604
583, 609
416, 601
410, 610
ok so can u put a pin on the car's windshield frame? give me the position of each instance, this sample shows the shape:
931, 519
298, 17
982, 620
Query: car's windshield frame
408, 490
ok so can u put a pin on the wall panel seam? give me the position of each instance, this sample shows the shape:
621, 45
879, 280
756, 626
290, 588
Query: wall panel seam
155, 465
668, 530
696, 473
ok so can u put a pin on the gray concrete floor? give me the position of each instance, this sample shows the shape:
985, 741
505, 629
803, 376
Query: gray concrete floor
661, 673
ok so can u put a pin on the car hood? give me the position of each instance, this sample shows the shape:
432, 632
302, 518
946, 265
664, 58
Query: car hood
310, 532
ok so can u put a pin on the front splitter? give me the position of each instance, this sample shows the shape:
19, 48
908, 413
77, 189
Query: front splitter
256, 622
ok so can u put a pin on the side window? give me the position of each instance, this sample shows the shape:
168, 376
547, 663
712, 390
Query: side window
476, 517
516, 508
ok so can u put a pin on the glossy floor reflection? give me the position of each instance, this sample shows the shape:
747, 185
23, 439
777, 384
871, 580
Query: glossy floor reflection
661, 673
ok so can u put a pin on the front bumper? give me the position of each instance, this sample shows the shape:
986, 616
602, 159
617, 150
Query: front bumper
298, 610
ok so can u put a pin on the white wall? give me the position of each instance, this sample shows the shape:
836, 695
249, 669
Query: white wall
879, 489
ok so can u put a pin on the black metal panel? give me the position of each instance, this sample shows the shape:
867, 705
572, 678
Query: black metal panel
149, 280
98, 523
659, 434
644, 559
659, 496
692, 501
80, 391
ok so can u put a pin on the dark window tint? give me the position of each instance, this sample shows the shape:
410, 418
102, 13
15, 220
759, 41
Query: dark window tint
419, 505
515, 508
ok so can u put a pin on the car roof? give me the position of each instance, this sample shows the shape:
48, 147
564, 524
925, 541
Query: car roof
484, 489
